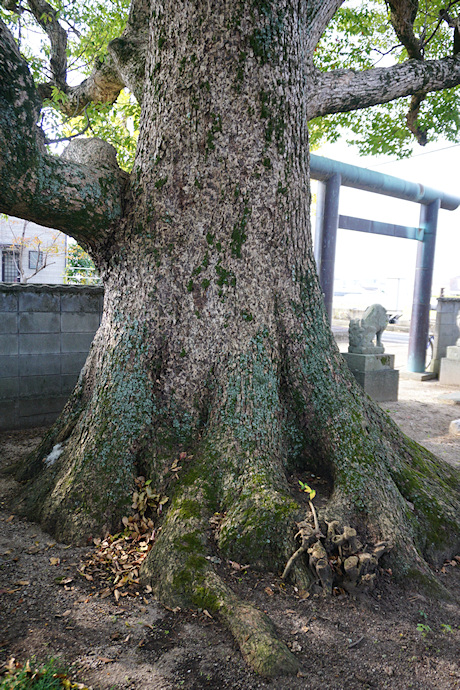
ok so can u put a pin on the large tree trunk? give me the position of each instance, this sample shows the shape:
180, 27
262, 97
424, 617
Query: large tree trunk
214, 340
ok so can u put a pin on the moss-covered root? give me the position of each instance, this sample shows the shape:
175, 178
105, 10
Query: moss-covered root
180, 575
431, 489
253, 630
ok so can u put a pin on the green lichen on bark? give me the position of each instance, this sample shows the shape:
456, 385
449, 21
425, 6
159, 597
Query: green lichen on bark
239, 235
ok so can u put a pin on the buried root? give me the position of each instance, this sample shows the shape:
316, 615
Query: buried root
337, 559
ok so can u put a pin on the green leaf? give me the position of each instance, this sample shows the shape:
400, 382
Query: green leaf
308, 490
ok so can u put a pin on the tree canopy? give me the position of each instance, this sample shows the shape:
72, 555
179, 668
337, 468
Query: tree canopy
66, 42
365, 35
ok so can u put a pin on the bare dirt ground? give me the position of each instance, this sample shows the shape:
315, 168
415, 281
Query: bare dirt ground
393, 638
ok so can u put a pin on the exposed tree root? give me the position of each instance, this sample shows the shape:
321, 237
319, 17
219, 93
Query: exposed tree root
253, 630
181, 575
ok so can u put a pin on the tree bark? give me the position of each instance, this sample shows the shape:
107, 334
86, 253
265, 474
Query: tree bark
56, 192
344, 90
214, 341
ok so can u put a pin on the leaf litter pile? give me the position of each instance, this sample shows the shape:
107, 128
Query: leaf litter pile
117, 559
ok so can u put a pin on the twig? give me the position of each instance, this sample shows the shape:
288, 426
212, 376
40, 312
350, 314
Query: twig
290, 562
315, 517
305, 542
72, 136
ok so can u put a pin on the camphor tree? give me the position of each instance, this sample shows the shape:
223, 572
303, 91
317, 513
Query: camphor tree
214, 342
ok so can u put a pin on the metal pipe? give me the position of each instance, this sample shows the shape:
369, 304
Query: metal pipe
378, 228
420, 320
361, 178
330, 218
319, 227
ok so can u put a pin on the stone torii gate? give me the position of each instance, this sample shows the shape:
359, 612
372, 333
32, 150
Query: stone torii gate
332, 175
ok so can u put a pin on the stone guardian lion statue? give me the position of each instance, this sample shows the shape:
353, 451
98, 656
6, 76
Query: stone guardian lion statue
361, 332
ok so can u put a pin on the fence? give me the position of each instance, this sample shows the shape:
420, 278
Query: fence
45, 335
46, 332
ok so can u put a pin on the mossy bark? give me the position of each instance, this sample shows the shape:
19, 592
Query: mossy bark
214, 340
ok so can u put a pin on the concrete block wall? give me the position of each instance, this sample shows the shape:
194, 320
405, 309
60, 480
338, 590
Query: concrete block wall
45, 334
447, 329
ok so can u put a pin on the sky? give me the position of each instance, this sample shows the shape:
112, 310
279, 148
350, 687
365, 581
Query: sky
388, 262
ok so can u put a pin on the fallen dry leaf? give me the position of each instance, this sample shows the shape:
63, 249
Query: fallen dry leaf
269, 591
22, 583
55, 561
117, 559
238, 566
63, 580
85, 575
304, 594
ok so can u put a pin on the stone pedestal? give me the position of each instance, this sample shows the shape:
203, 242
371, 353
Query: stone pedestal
449, 372
375, 374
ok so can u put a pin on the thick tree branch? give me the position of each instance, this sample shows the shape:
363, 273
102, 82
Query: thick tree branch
128, 52
319, 14
454, 23
411, 118
102, 86
66, 193
46, 17
345, 90
124, 65
402, 17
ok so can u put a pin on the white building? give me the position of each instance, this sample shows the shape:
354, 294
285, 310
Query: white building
31, 253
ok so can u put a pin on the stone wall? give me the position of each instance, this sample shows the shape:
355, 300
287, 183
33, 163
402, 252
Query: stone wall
45, 335
447, 329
